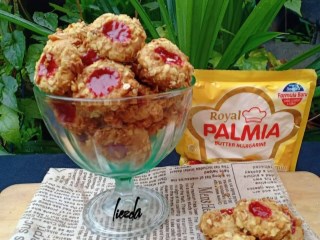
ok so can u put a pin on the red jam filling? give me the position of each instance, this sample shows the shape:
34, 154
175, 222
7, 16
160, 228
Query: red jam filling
47, 66
168, 57
194, 162
117, 31
293, 226
259, 210
66, 113
117, 151
90, 57
228, 211
103, 81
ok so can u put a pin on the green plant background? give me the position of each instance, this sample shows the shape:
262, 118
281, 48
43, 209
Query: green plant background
215, 34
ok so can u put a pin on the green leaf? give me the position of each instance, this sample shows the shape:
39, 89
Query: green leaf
300, 58
7, 69
29, 108
256, 60
9, 88
30, 133
145, 18
10, 83
151, 6
258, 21
257, 40
48, 20
9, 125
14, 45
24, 23
294, 5
40, 39
161, 31
216, 56
33, 54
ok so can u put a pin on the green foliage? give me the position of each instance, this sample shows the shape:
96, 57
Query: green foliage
257, 22
21, 126
258, 59
9, 125
294, 5
33, 54
6, 16
13, 46
145, 18
9, 86
229, 28
47, 20
224, 34
9, 119
20, 121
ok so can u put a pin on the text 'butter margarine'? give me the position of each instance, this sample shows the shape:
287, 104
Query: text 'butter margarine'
248, 115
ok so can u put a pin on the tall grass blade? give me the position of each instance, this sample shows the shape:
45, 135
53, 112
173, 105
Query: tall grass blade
24, 23
167, 21
172, 13
199, 8
299, 58
60, 9
211, 24
316, 66
257, 40
145, 18
184, 14
259, 20
231, 22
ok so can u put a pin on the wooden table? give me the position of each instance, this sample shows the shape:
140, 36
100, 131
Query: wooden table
303, 188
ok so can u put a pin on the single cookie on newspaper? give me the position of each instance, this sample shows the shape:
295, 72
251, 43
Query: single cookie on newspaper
252, 219
263, 218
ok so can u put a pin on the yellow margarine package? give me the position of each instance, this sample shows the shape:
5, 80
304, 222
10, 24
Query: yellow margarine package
248, 115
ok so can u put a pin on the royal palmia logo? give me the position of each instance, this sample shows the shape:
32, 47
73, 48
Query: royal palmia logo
254, 115
292, 94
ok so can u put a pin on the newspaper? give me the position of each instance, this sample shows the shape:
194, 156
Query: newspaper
55, 211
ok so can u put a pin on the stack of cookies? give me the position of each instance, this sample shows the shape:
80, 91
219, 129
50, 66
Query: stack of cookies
109, 59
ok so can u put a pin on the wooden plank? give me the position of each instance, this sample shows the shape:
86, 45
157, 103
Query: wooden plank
13, 202
304, 191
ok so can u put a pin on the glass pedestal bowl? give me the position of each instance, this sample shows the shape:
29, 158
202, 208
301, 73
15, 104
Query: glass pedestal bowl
119, 138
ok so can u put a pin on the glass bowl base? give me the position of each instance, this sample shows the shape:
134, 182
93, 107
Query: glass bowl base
126, 215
